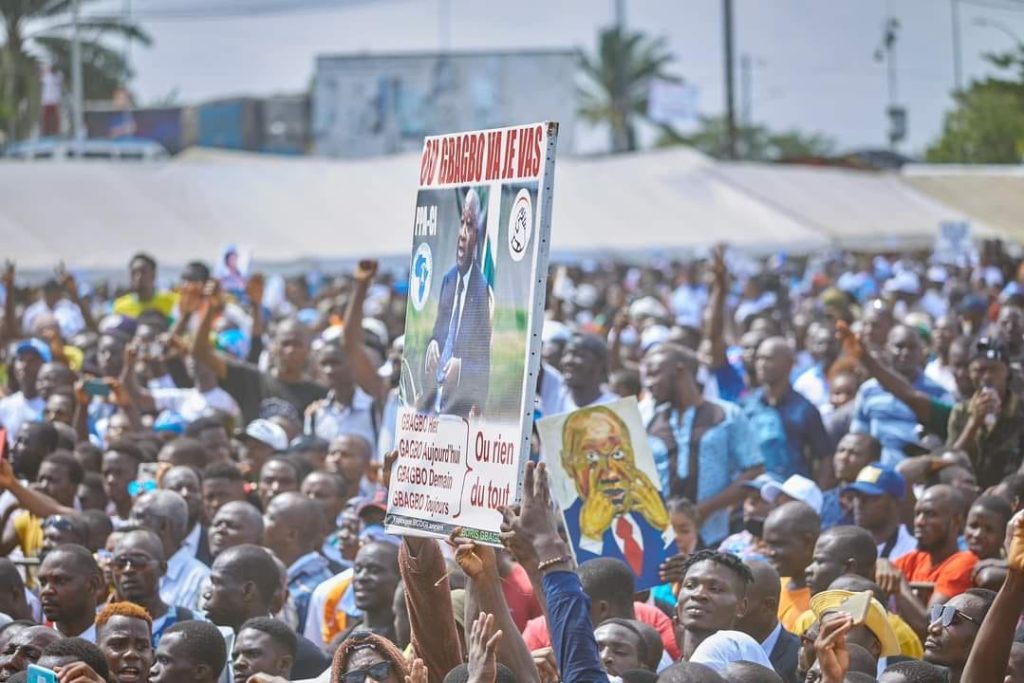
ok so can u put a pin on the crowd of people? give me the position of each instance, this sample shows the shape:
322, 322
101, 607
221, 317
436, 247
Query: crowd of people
194, 480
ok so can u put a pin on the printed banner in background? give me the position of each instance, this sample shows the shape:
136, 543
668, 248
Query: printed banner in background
472, 329
604, 479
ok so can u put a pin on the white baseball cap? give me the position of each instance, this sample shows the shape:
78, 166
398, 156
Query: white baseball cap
267, 432
796, 487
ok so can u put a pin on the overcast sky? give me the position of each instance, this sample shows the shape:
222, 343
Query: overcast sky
814, 66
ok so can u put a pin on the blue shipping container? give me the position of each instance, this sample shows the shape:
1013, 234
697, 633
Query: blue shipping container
231, 124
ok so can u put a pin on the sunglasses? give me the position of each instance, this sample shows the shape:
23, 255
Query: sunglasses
947, 615
58, 522
122, 561
377, 672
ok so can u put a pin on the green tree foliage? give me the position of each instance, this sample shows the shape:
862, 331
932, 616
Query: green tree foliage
753, 143
987, 124
617, 81
38, 31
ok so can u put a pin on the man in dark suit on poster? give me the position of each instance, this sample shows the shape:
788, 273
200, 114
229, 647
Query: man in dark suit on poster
458, 358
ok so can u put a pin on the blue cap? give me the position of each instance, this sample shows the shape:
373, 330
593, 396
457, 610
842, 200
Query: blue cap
234, 342
37, 345
877, 479
169, 421
760, 480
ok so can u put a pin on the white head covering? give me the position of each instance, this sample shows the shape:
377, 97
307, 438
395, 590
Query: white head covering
725, 647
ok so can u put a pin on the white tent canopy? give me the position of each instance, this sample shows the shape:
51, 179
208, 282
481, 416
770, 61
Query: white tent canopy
290, 210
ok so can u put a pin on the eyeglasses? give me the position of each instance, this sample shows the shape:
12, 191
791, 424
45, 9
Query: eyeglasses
140, 561
377, 672
947, 614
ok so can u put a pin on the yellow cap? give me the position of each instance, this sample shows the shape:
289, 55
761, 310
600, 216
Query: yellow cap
877, 620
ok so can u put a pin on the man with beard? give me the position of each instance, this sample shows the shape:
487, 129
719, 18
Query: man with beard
713, 597
236, 523
953, 627
938, 518
243, 583
69, 583
288, 525
124, 636
25, 648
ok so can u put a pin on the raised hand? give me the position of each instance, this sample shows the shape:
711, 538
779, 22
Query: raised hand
852, 346
418, 672
213, 296
547, 666
254, 289
385, 472
479, 562
79, 672
532, 529
7, 477
8, 275
190, 298
718, 266
1015, 548
483, 643
888, 577
366, 270
830, 646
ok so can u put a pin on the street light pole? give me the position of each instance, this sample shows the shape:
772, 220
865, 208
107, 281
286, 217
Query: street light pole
730, 99
958, 65
77, 87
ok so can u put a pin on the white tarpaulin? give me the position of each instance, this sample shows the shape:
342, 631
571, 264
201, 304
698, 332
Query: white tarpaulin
95, 214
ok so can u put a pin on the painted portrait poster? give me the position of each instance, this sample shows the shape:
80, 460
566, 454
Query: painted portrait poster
604, 479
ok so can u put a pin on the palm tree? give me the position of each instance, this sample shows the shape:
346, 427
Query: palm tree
618, 79
37, 31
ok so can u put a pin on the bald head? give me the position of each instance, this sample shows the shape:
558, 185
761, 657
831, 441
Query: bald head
946, 497
689, 672
766, 583
748, 672
774, 361
235, 523
857, 584
763, 599
142, 539
861, 661
795, 517
841, 550
166, 513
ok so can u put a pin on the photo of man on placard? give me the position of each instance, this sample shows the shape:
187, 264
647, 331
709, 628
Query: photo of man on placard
457, 362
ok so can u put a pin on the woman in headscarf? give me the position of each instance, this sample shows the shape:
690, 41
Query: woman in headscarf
365, 654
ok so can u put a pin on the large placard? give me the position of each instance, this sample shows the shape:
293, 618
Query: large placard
472, 329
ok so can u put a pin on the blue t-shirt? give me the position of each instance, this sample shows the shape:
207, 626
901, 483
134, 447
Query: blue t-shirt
790, 435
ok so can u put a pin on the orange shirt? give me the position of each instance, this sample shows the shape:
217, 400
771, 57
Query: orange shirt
792, 603
951, 577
